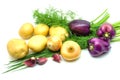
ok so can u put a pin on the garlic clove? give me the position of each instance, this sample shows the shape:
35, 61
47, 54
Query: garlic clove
41, 61
56, 57
30, 62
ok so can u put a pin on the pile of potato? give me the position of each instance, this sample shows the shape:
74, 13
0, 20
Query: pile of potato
39, 37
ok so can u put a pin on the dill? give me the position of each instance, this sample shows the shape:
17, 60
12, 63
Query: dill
54, 17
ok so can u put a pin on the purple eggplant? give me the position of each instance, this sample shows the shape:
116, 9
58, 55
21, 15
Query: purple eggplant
97, 47
80, 27
106, 31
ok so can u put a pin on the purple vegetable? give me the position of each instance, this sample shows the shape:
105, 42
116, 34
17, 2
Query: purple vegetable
106, 31
80, 27
56, 57
41, 61
30, 62
97, 47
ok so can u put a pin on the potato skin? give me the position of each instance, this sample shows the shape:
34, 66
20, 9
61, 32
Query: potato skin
37, 43
17, 48
41, 29
26, 30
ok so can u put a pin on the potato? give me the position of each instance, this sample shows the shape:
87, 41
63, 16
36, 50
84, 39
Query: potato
17, 48
41, 29
37, 43
26, 30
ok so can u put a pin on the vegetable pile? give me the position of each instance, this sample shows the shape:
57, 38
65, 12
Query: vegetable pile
59, 35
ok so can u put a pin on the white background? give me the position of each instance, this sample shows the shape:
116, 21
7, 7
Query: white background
13, 13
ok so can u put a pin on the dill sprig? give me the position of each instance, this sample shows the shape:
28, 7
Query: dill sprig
54, 17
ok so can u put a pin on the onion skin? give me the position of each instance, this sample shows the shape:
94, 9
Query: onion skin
80, 27
97, 47
106, 31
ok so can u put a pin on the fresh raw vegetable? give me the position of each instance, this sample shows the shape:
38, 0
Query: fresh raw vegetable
54, 43
54, 17
94, 25
70, 50
80, 27
26, 30
30, 62
56, 57
41, 61
97, 47
59, 31
37, 43
33, 61
41, 29
17, 48
19, 64
106, 31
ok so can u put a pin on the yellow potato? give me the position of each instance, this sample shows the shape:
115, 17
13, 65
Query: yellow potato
58, 31
37, 43
41, 29
17, 48
26, 30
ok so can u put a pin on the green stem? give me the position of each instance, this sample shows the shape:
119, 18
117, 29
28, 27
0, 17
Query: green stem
14, 68
99, 16
116, 24
24, 67
104, 19
38, 54
15, 64
101, 21
116, 40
